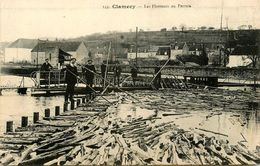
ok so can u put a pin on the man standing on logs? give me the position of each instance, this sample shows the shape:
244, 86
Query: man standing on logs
157, 80
71, 80
89, 71
117, 72
134, 74
103, 72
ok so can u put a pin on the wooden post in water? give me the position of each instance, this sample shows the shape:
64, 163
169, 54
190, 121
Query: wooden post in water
24, 122
47, 112
65, 107
91, 96
83, 99
87, 98
78, 102
72, 105
57, 110
36, 117
9, 126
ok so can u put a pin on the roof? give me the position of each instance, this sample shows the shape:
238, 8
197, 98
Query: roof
163, 50
154, 48
23, 43
63, 53
179, 45
245, 50
63, 45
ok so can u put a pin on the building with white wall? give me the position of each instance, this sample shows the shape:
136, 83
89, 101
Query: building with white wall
19, 51
52, 50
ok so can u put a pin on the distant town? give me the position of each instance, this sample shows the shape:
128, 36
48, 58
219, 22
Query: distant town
205, 46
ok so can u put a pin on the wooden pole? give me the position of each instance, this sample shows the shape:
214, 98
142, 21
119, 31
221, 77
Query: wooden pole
24, 122
65, 107
78, 102
36, 117
83, 99
47, 112
72, 105
9, 126
136, 47
108, 55
57, 110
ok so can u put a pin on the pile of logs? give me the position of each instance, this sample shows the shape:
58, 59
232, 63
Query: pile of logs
94, 134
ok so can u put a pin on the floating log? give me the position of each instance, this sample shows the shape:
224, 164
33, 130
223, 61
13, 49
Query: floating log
224, 159
17, 141
245, 154
7, 160
26, 153
11, 147
211, 132
172, 114
41, 159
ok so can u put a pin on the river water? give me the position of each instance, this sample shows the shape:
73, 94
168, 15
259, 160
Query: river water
13, 106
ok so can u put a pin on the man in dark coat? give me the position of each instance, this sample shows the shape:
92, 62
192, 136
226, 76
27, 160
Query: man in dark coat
46, 66
89, 71
71, 79
103, 71
134, 72
158, 75
45, 71
117, 72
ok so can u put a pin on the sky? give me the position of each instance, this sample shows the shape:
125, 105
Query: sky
74, 18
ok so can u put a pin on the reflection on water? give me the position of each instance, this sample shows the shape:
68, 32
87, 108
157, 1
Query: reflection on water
13, 106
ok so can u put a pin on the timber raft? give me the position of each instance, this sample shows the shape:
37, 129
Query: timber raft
93, 130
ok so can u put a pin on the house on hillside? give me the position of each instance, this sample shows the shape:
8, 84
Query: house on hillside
143, 53
240, 56
178, 49
191, 49
163, 52
54, 49
19, 51
55, 55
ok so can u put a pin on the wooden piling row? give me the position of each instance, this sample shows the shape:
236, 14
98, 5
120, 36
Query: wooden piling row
47, 114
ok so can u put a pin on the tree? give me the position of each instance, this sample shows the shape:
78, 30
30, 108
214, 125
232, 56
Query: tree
253, 55
163, 30
174, 28
203, 27
254, 59
183, 27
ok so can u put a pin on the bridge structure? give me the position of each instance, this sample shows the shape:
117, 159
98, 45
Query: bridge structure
208, 75
171, 75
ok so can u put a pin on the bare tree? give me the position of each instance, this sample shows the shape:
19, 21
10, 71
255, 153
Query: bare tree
183, 27
252, 54
174, 28
254, 58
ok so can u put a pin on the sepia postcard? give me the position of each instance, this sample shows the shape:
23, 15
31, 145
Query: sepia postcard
129, 82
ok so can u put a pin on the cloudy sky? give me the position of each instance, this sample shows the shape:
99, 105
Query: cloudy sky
73, 18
